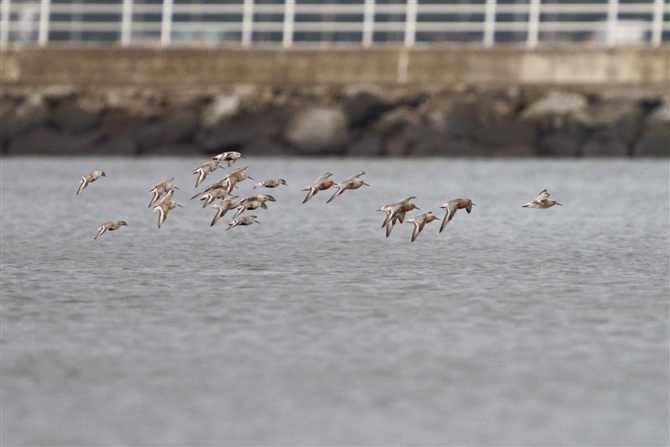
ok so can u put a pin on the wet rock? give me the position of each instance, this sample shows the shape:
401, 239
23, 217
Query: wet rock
655, 142
466, 148
367, 146
236, 132
47, 141
173, 150
318, 130
506, 133
397, 120
265, 147
603, 145
429, 143
363, 108
28, 115
563, 143
115, 146
68, 116
177, 126
396, 146
512, 149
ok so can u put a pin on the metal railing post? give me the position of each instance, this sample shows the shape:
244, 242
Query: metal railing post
4, 23
247, 22
410, 22
126, 22
657, 24
533, 23
489, 23
368, 22
612, 16
289, 16
166, 24
43, 34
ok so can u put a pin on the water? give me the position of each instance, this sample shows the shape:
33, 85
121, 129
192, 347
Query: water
514, 326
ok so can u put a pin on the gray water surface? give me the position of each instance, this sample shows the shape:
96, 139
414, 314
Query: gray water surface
513, 326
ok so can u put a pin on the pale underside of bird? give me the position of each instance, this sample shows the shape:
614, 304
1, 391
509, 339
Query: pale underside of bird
321, 184
214, 194
250, 205
160, 189
244, 220
230, 157
89, 178
542, 201
109, 226
420, 221
452, 206
271, 183
204, 170
235, 177
164, 206
221, 184
223, 207
353, 182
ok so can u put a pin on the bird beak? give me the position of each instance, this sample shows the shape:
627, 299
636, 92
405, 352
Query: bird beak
251, 178
474, 204
180, 206
365, 184
558, 204
176, 188
417, 208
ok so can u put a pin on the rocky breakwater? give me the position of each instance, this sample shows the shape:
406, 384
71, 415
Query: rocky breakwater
346, 121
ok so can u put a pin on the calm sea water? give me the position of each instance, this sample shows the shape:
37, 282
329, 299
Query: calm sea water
514, 326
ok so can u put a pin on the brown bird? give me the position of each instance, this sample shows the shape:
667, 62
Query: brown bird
109, 226
420, 221
88, 179
353, 182
321, 184
452, 206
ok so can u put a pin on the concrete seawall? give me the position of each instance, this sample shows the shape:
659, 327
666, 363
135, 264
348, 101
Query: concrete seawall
455, 101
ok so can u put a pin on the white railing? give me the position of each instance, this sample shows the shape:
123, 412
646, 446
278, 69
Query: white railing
365, 22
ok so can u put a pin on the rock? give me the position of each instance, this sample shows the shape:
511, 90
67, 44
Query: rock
396, 146
238, 131
363, 108
659, 116
556, 103
222, 106
69, 117
174, 150
429, 143
602, 145
115, 146
117, 123
318, 130
397, 120
506, 133
175, 127
265, 147
367, 146
30, 114
465, 148
47, 141
512, 149
608, 113
655, 142
563, 143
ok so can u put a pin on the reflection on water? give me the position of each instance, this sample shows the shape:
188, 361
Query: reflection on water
513, 326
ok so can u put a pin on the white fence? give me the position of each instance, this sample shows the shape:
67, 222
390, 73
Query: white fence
330, 22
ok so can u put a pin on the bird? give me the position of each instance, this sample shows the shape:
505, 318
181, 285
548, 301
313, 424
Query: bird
271, 183
244, 220
86, 179
109, 226
204, 170
452, 206
235, 177
223, 207
260, 198
321, 184
396, 212
164, 207
542, 201
212, 195
249, 205
420, 221
160, 189
353, 182
230, 157
222, 183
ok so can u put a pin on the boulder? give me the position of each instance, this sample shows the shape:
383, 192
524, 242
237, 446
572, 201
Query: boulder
506, 132
429, 142
114, 146
556, 103
174, 150
396, 146
68, 116
363, 108
367, 146
221, 106
512, 149
318, 130
603, 145
238, 131
655, 142
28, 115
48, 141
265, 147
563, 143
397, 120
175, 127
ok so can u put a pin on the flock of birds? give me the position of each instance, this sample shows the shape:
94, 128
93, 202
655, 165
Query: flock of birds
163, 193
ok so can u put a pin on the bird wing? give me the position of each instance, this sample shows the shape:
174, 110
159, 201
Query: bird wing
418, 226
452, 207
82, 185
543, 195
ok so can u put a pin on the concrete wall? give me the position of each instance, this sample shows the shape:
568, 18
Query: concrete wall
424, 68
